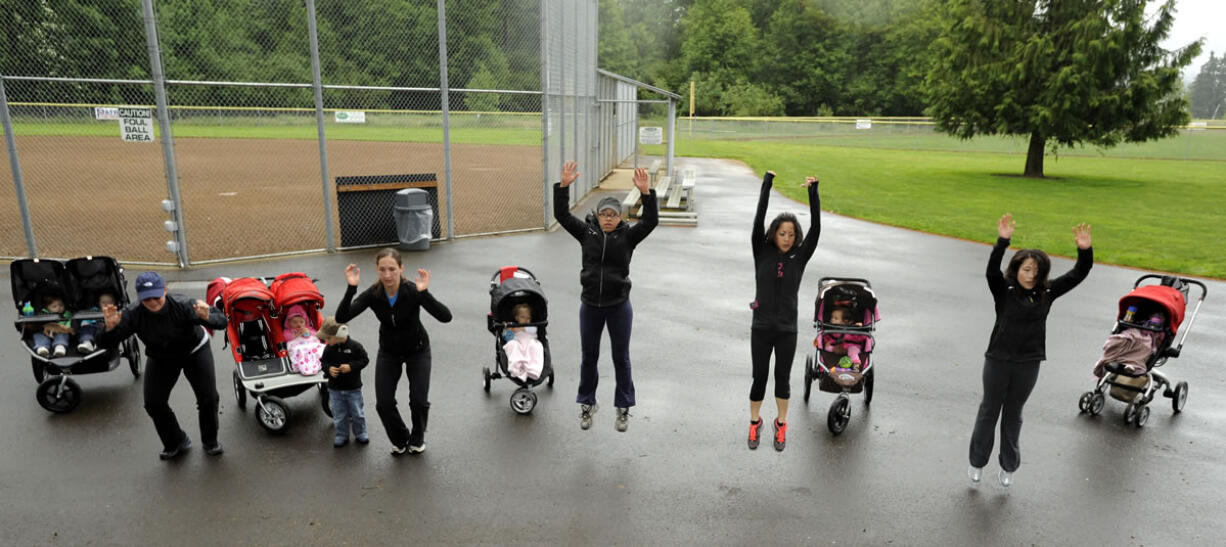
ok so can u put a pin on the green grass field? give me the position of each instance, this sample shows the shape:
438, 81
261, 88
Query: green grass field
1153, 214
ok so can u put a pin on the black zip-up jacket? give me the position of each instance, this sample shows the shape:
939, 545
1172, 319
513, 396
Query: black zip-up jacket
400, 328
777, 275
172, 332
348, 352
1020, 332
605, 276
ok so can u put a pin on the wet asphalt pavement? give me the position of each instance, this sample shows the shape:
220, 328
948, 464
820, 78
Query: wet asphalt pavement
682, 473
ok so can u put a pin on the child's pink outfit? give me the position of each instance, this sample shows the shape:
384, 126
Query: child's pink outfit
850, 344
525, 355
305, 350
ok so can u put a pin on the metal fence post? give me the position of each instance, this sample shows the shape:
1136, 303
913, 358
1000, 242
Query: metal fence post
168, 148
317, 86
445, 92
672, 131
10, 142
544, 64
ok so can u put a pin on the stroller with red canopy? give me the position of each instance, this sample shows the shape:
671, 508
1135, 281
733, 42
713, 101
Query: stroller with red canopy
1165, 304
255, 335
831, 369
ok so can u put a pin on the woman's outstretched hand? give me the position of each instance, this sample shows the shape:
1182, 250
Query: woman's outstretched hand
809, 181
110, 316
570, 173
641, 179
423, 280
202, 309
352, 275
1081, 233
1004, 226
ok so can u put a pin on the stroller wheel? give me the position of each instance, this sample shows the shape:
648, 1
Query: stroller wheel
868, 387
56, 398
325, 399
1096, 403
523, 401
132, 352
1130, 412
808, 377
272, 414
1180, 397
40, 373
1084, 404
240, 393
839, 415
550, 381
485, 371
1142, 416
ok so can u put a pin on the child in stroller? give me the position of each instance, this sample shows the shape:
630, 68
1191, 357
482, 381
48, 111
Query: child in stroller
848, 345
517, 308
53, 333
1127, 371
845, 316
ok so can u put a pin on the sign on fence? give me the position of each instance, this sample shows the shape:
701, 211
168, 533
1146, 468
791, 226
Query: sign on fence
136, 124
651, 135
864, 124
350, 117
106, 113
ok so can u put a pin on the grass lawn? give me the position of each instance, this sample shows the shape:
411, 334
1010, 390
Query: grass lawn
1152, 214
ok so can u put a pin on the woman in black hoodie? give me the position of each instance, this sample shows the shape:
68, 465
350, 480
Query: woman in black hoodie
1023, 298
396, 301
780, 255
607, 243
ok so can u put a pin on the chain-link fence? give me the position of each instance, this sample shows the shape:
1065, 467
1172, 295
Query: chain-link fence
252, 128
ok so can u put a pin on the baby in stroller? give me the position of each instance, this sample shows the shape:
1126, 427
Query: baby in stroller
53, 333
299, 336
846, 345
1132, 346
525, 354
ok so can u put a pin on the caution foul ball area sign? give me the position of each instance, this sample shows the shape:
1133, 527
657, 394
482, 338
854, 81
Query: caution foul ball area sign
136, 124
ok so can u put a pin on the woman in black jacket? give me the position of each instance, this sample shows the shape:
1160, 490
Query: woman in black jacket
1023, 297
171, 327
607, 244
779, 264
396, 302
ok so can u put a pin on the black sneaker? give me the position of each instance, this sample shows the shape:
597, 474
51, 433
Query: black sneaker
214, 450
174, 452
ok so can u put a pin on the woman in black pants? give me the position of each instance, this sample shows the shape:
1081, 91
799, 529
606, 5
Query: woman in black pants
779, 264
172, 328
396, 302
1023, 298
607, 243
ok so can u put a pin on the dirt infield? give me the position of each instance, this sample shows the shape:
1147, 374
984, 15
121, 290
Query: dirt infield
241, 197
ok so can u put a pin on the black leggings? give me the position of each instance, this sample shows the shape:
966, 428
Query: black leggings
161, 375
1006, 386
387, 376
761, 344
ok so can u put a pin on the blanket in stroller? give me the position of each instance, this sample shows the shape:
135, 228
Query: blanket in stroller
1131, 348
525, 355
304, 354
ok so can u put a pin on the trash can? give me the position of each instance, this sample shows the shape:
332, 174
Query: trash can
414, 219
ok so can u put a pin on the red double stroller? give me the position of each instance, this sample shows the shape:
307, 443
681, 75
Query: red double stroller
255, 335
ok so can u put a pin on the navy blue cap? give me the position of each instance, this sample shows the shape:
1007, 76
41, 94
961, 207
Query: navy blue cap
150, 285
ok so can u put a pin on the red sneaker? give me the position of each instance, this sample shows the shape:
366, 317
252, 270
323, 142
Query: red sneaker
754, 434
781, 435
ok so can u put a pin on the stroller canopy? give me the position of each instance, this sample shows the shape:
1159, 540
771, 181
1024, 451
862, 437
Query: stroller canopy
33, 280
855, 295
514, 291
246, 289
1168, 299
295, 288
92, 276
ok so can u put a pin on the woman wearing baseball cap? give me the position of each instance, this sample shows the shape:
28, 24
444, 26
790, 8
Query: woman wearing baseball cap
171, 326
607, 243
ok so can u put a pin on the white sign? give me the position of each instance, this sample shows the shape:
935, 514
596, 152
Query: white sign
350, 117
136, 124
651, 135
864, 124
1198, 126
106, 113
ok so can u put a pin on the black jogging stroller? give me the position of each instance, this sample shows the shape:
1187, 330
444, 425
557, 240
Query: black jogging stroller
79, 283
511, 286
827, 367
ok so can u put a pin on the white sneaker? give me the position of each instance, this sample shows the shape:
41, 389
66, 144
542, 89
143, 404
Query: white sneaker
60, 351
585, 415
622, 421
42, 352
417, 448
1006, 478
975, 473
85, 347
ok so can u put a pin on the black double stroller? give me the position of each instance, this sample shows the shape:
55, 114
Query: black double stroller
511, 286
78, 283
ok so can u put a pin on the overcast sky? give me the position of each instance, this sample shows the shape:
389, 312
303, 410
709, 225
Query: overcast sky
1198, 19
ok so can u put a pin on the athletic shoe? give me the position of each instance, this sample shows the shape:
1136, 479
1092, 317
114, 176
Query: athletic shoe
173, 453
85, 347
585, 415
60, 351
1006, 478
623, 419
42, 352
363, 439
755, 434
214, 450
975, 473
781, 435
400, 450
417, 448
340, 441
